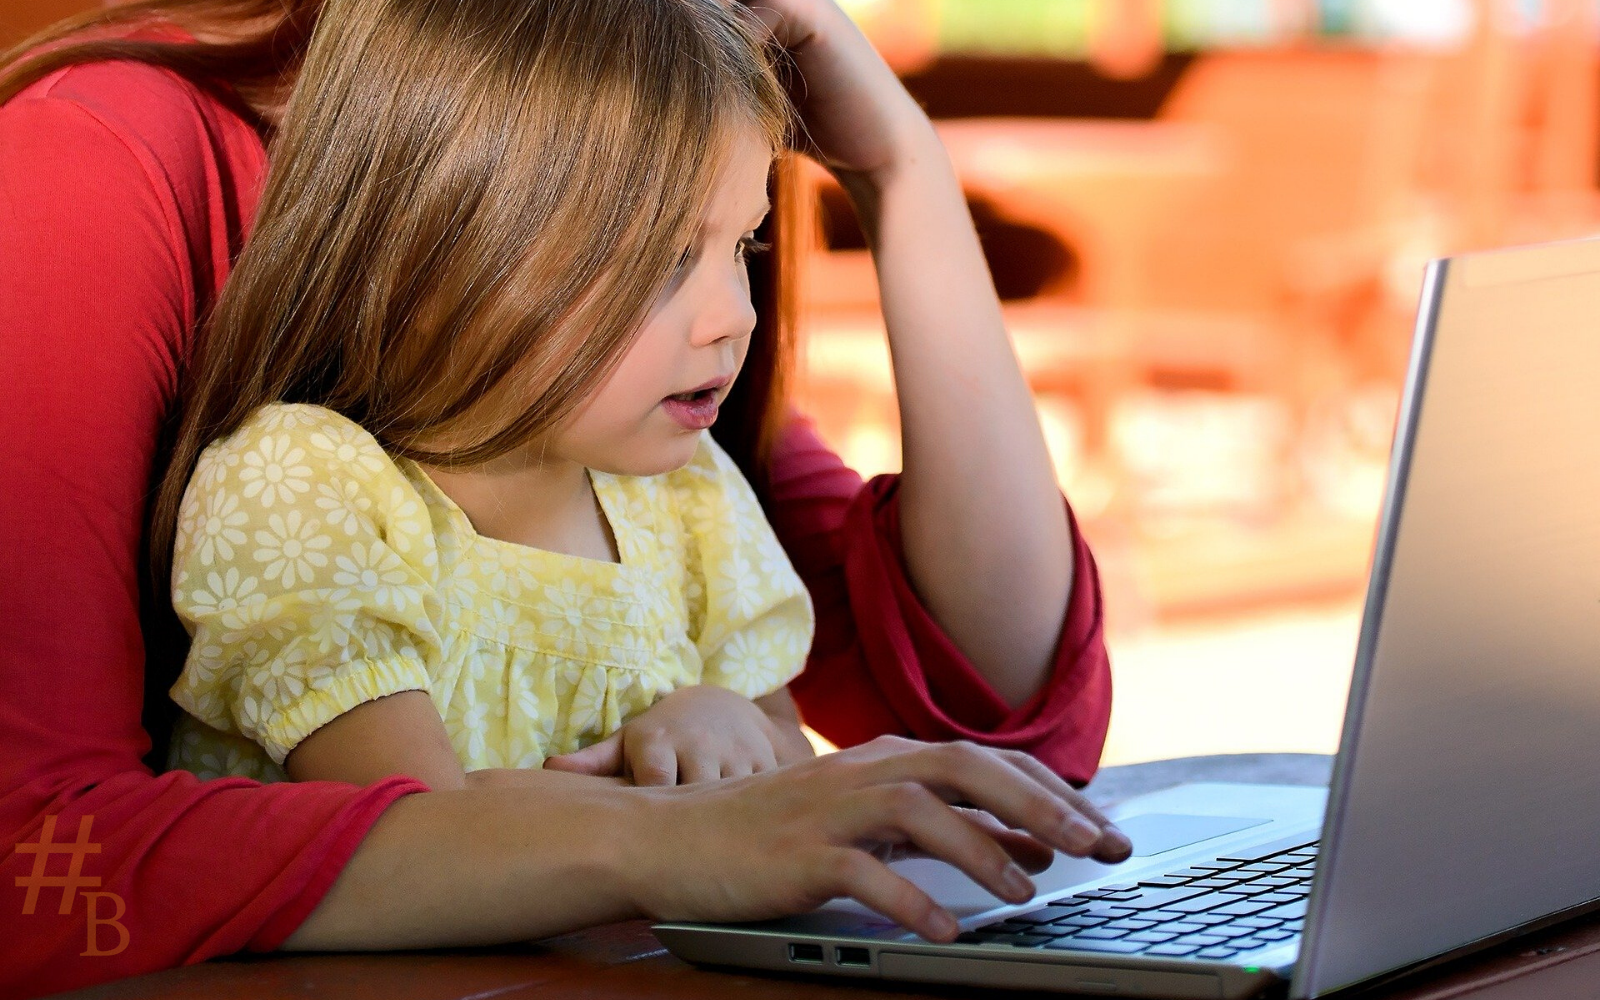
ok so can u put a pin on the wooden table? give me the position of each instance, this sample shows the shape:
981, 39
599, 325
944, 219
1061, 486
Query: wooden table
626, 961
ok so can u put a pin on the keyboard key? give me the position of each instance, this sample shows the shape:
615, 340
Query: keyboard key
1164, 881
1201, 940
1275, 935
1212, 883
1198, 904
1108, 947
1210, 918
1036, 917
1281, 880
1162, 899
1259, 923
1290, 911
1247, 943
1152, 937
1183, 927
1279, 898
1266, 867
1099, 934
1260, 851
1081, 920
1244, 908
1220, 951
1172, 950
1130, 924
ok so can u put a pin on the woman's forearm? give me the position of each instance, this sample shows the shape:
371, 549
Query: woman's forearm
482, 865
983, 527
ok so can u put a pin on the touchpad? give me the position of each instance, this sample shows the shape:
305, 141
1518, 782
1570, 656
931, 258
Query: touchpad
1158, 833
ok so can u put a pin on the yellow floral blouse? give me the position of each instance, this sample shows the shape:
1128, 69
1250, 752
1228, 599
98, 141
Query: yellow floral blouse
315, 572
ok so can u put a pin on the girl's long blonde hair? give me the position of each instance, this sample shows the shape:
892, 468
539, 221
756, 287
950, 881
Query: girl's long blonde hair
467, 199
471, 201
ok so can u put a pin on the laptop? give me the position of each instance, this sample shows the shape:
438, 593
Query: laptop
1464, 805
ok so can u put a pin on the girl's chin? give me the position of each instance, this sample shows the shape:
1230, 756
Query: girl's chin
661, 457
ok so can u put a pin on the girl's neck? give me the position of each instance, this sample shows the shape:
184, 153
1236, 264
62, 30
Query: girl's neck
550, 506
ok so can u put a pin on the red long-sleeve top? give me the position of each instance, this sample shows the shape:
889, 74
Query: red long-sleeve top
125, 193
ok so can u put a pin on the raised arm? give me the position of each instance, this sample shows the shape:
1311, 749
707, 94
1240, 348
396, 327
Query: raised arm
985, 534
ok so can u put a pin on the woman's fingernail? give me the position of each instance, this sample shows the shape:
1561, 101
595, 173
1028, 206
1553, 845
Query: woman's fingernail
1016, 883
942, 925
1081, 834
1119, 840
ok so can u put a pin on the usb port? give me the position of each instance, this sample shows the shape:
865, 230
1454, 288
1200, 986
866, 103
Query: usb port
853, 958
808, 953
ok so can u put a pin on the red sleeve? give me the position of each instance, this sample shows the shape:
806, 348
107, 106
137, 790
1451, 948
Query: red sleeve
108, 240
880, 664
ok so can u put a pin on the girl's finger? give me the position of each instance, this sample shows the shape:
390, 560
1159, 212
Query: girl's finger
696, 764
739, 767
853, 873
603, 758
654, 763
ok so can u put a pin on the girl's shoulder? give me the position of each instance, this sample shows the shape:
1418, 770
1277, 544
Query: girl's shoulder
290, 443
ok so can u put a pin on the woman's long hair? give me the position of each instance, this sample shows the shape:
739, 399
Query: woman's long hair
470, 207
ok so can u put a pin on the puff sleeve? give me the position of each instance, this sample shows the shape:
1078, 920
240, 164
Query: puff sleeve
305, 570
754, 618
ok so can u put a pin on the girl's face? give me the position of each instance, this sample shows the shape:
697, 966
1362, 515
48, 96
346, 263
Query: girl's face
646, 418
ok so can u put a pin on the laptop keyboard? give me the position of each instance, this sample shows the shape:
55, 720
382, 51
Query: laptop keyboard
1212, 910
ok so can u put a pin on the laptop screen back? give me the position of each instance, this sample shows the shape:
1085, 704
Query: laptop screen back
1466, 799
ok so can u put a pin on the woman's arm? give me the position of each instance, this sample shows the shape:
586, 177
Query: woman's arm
488, 865
984, 531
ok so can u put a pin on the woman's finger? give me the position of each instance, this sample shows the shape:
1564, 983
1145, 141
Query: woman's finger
1033, 855
910, 813
871, 883
963, 772
1113, 845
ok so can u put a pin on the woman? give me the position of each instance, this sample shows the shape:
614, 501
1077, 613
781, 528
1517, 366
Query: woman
126, 191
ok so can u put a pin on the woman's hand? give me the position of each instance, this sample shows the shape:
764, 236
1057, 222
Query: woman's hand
699, 733
786, 842
859, 118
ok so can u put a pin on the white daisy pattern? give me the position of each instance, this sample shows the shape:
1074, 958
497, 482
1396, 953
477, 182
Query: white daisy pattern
317, 572
291, 548
274, 472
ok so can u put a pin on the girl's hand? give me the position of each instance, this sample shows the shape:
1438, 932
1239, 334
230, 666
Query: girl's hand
859, 117
788, 841
699, 733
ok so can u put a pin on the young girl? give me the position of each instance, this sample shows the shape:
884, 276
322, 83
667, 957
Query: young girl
459, 513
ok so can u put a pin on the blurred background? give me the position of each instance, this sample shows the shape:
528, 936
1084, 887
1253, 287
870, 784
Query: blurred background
1208, 220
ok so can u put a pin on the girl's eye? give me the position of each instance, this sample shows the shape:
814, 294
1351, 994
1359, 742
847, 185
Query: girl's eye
751, 246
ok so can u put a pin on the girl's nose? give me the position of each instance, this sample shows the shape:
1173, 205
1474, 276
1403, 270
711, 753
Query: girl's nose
727, 314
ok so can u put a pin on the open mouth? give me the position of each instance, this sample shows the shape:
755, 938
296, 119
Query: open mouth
697, 396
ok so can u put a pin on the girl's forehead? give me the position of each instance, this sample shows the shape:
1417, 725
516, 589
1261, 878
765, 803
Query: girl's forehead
739, 191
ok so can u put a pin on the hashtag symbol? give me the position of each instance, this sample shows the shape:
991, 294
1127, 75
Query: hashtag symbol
69, 883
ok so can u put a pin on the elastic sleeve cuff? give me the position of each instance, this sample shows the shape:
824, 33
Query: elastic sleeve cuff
332, 851
935, 690
363, 681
